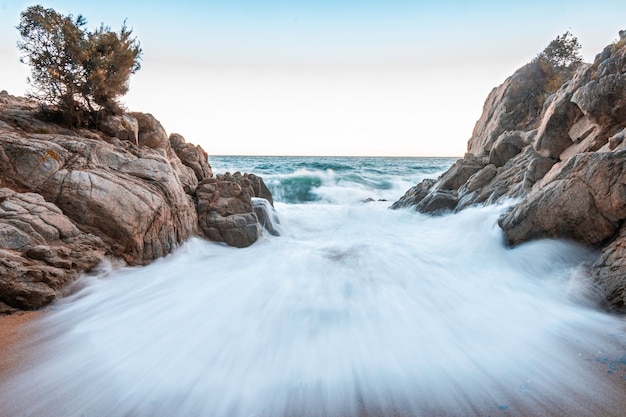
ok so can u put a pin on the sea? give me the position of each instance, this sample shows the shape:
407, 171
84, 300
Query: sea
353, 309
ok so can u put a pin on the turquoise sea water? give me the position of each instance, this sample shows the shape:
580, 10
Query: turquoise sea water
336, 180
354, 310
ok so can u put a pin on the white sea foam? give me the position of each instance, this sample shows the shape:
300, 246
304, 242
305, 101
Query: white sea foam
336, 180
353, 310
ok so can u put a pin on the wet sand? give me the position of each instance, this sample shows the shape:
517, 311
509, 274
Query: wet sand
608, 367
13, 332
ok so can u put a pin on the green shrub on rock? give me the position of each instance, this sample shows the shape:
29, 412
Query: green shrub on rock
77, 72
559, 60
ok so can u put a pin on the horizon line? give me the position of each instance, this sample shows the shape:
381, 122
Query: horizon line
332, 156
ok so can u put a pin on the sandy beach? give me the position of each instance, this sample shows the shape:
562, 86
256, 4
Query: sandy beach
608, 367
13, 332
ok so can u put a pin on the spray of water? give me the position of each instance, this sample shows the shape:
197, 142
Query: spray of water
355, 310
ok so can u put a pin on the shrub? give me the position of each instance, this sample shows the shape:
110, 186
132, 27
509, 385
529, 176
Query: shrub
80, 73
559, 60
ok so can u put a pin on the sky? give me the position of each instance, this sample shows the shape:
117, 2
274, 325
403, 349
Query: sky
342, 77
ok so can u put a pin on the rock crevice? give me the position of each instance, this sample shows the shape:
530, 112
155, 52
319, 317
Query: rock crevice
70, 199
565, 162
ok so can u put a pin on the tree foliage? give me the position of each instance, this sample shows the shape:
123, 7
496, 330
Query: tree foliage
562, 52
81, 73
559, 60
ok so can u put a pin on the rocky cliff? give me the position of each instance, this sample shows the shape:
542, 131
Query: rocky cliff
562, 160
127, 190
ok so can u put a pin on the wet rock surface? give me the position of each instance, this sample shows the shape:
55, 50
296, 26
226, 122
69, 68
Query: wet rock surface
225, 209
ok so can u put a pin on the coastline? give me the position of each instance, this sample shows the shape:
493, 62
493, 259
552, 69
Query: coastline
607, 368
15, 330
556, 161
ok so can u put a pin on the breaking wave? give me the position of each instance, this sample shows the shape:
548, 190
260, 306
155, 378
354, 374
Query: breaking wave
354, 310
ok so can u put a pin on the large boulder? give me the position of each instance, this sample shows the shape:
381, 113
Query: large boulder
124, 127
507, 145
559, 117
225, 209
438, 201
460, 172
479, 180
414, 195
192, 156
583, 200
130, 197
41, 250
150, 132
603, 100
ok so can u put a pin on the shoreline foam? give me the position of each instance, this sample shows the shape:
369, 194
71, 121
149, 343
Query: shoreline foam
607, 366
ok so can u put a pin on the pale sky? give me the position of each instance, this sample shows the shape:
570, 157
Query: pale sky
342, 77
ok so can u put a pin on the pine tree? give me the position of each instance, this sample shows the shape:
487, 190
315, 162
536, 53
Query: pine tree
79, 73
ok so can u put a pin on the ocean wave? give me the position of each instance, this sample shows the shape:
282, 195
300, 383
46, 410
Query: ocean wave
336, 180
354, 310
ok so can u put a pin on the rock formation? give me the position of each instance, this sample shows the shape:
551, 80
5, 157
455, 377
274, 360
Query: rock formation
41, 250
563, 160
68, 199
225, 210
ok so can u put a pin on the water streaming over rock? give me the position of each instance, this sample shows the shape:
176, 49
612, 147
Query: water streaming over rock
353, 310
